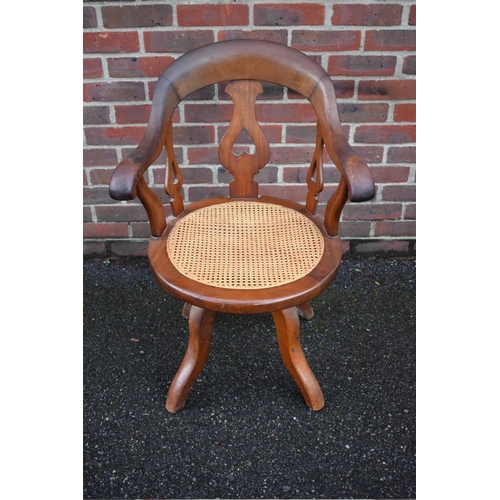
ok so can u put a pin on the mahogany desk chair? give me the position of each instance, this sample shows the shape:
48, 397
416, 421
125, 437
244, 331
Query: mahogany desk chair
244, 253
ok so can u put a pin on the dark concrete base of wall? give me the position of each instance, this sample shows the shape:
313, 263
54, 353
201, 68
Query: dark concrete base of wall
380, 248
354, 248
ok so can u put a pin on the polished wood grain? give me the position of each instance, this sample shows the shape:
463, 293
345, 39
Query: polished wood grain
244, 60
244, 166
305, 311
200, 337
244, 63
173, 176
186, 309
314, 177
123, 183
334, 208
153, 206
288, 331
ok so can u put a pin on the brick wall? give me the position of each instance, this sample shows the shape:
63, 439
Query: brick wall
367, 47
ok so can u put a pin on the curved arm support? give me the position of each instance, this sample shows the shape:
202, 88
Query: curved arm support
127, 180
359, 179
153, 206
123, 184
334, 208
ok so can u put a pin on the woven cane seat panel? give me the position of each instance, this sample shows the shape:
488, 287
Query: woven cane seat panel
245, 245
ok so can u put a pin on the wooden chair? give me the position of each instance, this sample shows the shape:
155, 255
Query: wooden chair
244, 253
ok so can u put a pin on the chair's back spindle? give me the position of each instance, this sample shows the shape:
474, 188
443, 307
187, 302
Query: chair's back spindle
173, 176
244, 166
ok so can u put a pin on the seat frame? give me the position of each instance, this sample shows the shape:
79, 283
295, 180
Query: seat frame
244, 63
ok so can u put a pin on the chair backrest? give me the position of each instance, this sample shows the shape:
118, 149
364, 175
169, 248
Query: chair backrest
245, 63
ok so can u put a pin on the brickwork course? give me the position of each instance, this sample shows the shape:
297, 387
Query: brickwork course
368, 49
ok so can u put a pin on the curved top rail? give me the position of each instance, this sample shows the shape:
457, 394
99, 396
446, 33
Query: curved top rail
244, 60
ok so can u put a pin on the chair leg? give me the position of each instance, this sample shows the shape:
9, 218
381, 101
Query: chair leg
200, 336
288, 331
186, 309
305, 311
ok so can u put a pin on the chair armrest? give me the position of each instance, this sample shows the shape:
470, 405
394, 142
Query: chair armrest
359, 177
123, 183
127, 182
355, 171
359, 180
357, 185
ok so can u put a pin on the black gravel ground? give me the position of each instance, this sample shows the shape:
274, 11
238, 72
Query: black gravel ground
245, 431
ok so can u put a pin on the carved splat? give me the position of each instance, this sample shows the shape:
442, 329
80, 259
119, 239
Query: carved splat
173, 176
315, 174
244, 166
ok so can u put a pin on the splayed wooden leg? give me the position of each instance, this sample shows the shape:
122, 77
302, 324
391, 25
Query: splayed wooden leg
186, 309
288, 331
200, 336
305, 311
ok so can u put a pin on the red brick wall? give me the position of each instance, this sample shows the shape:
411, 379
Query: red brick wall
367, 47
